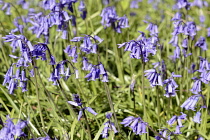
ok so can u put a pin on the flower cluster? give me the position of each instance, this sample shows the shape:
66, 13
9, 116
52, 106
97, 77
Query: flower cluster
11, 131
60, 72
183, 4
179, 121
108, 126
28, 52
89, 44
142, 47
191, 102
82, 9
201, 43
6, 7
170, 85
58, 16
11, 78
110, 18
153, 77
95, 71
187, 29
72, 52
164, 133
136, 124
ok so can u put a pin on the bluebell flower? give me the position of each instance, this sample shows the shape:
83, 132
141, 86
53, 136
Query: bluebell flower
203, 65
208, 32
200, 3
122, 23
77, 39
153, 77
176, 55
170, 86
108, 126
89, 45
86, 65
152, 28
197, 117
78, 103
25, 5
177, 130
142, 48
18, 41
61, 72
184, 52
196, 89
52, 60
48, 4
177, 119
12, 84
183, 4
177, 16
134, 3
7, 8
180, 118
108, 115
94, 74
164, 133
185, 43
205, 76
105, 2
174, 41
77, 100
136, 124
200, 138
192, 68
72, 52
202, 18
19, 27
109, 16
201, 43
190, 29
172, 120
82, 9
178, 27
11, 130
190, 103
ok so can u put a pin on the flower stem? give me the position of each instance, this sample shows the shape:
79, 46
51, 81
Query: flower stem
37, 94
87, 124
111, 105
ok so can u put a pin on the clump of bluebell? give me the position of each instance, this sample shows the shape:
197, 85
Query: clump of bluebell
11, 131
110, 18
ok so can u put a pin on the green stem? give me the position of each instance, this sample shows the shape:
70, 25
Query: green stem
158, 105
38, 95
143, 95
119, 64
4, 55
87, 124
111, 105
50, 97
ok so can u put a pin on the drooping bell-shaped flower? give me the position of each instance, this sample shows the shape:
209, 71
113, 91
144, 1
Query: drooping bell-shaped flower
202, 43
153, 77
197, 117
136, 124
190, 103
